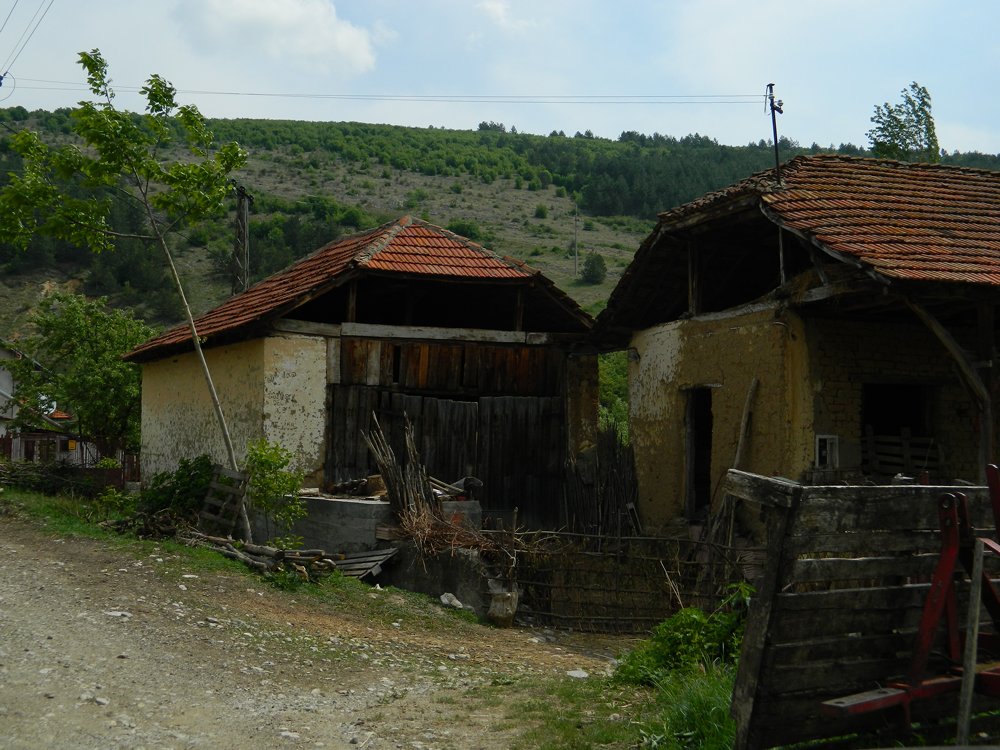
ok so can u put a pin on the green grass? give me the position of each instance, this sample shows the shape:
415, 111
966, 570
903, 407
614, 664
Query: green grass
689, 710
64, 515
686, 709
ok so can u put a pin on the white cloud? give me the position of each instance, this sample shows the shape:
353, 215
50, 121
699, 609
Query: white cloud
304, 32
499, 12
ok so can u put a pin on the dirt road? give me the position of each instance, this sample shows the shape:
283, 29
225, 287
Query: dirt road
101, 648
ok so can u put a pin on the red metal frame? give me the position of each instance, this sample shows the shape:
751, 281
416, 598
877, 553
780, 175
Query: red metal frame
957, 545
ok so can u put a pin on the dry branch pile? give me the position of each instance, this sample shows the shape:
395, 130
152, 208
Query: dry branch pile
308, 564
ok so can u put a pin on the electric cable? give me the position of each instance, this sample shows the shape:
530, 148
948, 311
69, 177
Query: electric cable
12, 9
444, 98
11, 60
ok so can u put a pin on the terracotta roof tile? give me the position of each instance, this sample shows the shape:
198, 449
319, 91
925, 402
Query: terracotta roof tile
918, 222
407, 246
910, 221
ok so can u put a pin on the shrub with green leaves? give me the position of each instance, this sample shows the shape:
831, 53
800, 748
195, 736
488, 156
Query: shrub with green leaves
273, 489
689, 640
181, 491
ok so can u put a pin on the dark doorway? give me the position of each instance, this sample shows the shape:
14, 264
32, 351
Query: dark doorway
894, 408
897, 434
698, 453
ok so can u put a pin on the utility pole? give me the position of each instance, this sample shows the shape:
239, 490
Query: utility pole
775, 107
241, 246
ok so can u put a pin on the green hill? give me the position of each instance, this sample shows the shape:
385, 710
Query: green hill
548, 200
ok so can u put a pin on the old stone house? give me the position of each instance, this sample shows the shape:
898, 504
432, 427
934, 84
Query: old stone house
485, 356
834, 321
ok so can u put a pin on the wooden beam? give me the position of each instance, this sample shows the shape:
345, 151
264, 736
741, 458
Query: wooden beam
351, 313
838, 289
965, 365
694, 280
308, 327
986, 313
972, 379
842, 257
763, 490
431, 333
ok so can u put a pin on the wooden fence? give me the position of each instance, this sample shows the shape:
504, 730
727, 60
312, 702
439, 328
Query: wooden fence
838, 607
617, 584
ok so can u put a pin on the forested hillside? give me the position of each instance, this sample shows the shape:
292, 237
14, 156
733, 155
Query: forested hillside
561, 203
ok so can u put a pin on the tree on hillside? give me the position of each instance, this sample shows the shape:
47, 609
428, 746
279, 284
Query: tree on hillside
74, 359
595, 270
905, 131
127, 152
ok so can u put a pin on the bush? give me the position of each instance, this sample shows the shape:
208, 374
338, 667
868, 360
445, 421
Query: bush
689, 640
273, 489
541, 212
181, 491
595, 270
466, 228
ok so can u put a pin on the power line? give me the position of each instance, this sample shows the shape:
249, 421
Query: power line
12, 9
754, 99
11, 60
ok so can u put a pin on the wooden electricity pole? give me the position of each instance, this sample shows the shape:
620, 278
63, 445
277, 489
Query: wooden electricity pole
241, 245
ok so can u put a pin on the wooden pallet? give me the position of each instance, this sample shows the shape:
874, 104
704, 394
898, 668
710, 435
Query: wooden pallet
225, 496
361, 564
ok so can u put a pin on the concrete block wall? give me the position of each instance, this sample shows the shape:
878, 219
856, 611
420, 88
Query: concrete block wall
347, 524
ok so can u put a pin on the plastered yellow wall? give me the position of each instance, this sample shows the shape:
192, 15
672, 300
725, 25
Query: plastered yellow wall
294, 399
273, 388
724, 353
178, 420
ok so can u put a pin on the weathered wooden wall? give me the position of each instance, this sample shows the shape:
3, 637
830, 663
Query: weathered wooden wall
497, 413
468, 369
838, 609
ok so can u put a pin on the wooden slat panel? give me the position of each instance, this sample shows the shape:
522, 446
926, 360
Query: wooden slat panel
879, 508
866, 544
831, 569
335, 461
373, 363
423, 365
471, 368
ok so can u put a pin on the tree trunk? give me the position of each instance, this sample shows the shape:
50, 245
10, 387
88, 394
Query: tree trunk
216, 404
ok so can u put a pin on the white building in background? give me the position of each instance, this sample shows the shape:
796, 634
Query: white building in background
54, 443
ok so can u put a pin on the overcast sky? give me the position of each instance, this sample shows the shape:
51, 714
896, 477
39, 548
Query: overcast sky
538, 65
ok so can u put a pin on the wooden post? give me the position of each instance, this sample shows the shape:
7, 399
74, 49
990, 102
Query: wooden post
781, 499
694, 290
971, 644
352, 302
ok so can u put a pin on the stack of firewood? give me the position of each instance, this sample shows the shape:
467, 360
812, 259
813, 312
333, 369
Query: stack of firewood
309, 564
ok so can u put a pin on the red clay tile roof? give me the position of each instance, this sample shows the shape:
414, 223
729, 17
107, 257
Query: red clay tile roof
905, 222
407, 246
925, 222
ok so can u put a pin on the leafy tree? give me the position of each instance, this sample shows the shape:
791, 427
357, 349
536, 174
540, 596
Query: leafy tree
124, 151
595, 269
79, 344
905, 131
